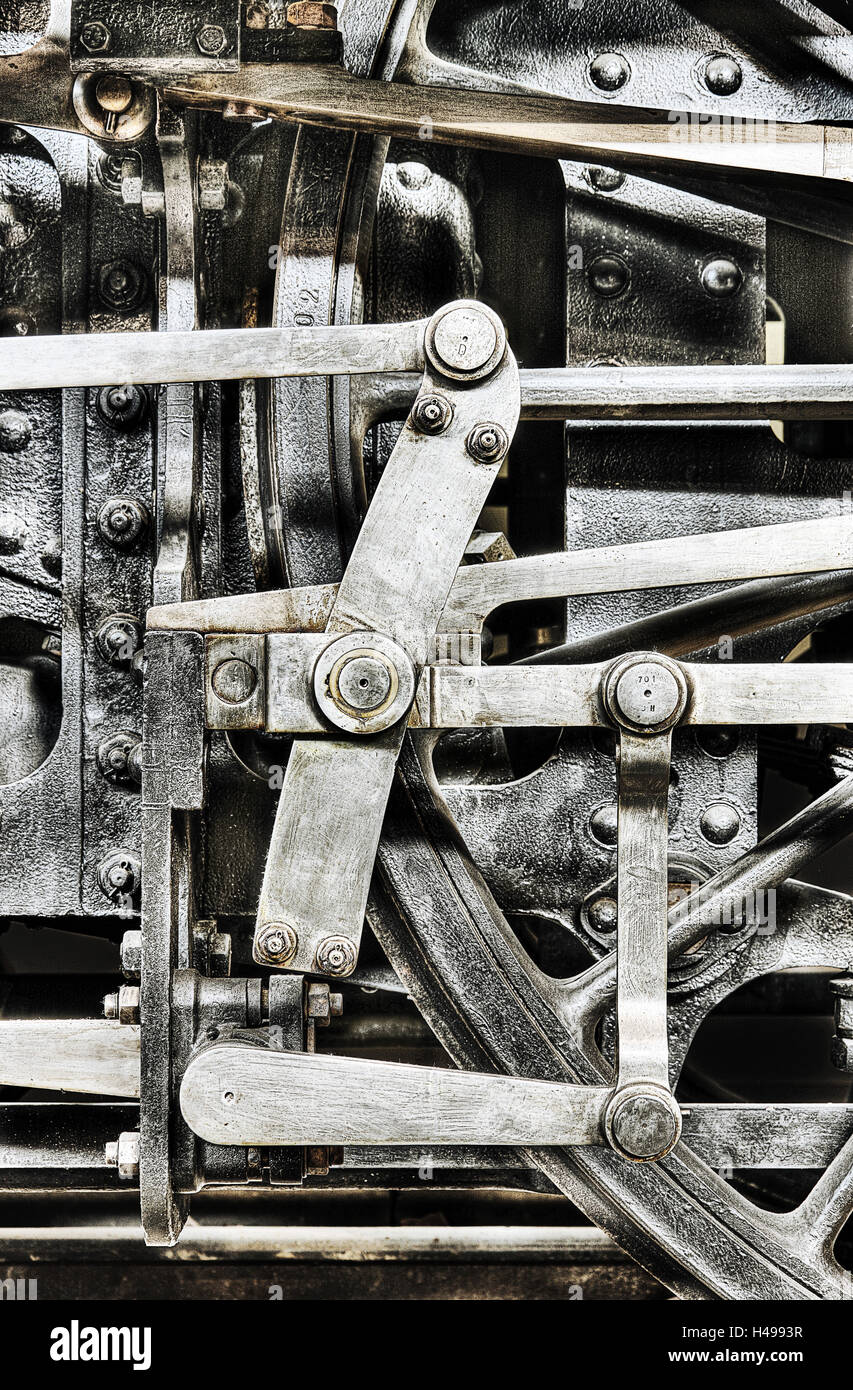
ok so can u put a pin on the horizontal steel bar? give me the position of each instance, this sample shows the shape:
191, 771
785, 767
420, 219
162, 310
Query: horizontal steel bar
237, 1094
95, 1056
327, 1243
558, 393
556, 696
115, 359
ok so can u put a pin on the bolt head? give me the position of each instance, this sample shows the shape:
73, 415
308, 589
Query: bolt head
211, 40
113, 757
645, 1127
131, 954
722, 75
118, 639
234, 681
487, 443
121, 285
721, 278
122, 407
609, 71
276, 944
608, 276
95, 36
119, 875
365, 683
336, 956
432, 414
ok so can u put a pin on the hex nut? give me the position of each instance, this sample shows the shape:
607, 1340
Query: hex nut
211, 40
131, 954
123, 1154
276, 944
95, 36
336, 956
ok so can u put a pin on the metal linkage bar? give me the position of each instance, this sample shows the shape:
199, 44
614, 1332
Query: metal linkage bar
796, 547
239, 1094
94, 1056
107, 359
822, 392
387, 606
521, 123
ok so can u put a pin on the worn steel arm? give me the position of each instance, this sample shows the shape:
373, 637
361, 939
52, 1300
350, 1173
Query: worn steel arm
387, 607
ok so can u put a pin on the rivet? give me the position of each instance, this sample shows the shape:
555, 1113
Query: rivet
722, 75
719, 823
603, 180
121, 285
609, 72
608, 275
15, 431
603, 824
234, 681
122, 520
721, 277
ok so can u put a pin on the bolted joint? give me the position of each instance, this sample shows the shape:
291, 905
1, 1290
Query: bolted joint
645, 693
432, 414
322, 1004
119, 876
276, 944
364, 682
118, 639
642, 1122
465, 341
119, 758
487, 443
336, 956
123, 408
123, 1005
123, 1154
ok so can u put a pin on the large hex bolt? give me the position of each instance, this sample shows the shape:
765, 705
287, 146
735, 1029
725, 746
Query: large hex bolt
487, 443
123, 1154
842, 1043
131, 955
123, 1005
276, 944
431, 414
